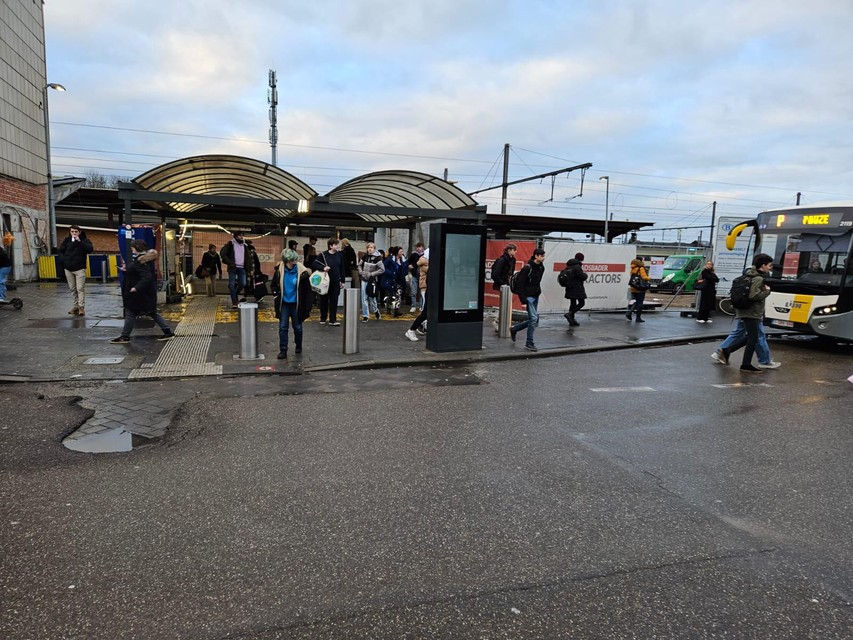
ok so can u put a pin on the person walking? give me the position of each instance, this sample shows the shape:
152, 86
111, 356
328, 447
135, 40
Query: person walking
212, 265
751, 317
72, 252
5, 270
708, 280
370, 270
234, 256
638, 293
332, 263
292, 287
762, 348
418, 324
575, 291
139, 292
530, 285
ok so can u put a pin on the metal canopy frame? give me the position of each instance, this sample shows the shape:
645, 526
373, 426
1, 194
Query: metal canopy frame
393, 198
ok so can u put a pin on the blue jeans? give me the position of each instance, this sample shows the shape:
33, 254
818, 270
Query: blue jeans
738, 337
532, 320
368, 305
288, 312
130, 319
236, 281
4, 274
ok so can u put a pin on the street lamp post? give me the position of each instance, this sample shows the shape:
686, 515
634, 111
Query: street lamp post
51, 203
606, 204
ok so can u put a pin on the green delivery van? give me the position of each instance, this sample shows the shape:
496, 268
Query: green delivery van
678, 270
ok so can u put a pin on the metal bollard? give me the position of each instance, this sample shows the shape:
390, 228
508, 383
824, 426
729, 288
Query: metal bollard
352, 298
105, 270
505, 312
249, 331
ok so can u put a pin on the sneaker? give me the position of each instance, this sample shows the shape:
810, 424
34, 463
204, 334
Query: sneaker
322, 322
376, 315
72, 311
120, 340
640, 320
531, 347
282, 355
709, 321
628, 316
334, 324
4, 301
414, 310
411, 335
234, 306
166, 336
701, 321
512, 334
364, 319
720, 356
81, 311
748, 368
770, 365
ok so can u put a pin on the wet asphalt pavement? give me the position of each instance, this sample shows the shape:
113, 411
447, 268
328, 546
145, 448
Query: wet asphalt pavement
534, 498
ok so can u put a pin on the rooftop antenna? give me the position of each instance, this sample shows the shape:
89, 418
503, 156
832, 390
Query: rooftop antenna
272, 99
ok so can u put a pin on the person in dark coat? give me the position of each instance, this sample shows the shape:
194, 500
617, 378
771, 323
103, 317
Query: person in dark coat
332, 263
139, 292
503, 267
72, 253
235, 257
393, 280
575, 291
211, 265
708, 293
350, 262
530, 283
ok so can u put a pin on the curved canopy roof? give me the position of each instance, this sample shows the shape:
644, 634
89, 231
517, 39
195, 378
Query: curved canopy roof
406, 189
382, 196
224, 175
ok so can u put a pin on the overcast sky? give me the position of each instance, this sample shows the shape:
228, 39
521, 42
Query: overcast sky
679, 102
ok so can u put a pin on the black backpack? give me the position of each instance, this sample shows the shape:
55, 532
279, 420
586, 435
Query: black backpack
739, 293
564, 277
515, 283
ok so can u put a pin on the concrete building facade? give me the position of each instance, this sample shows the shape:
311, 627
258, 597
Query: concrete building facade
23, 156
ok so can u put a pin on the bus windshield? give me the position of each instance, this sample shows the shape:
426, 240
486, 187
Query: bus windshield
809, 258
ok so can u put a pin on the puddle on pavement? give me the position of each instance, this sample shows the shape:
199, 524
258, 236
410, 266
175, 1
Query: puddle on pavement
112, 441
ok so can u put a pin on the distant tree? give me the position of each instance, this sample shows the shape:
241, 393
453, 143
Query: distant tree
97, 180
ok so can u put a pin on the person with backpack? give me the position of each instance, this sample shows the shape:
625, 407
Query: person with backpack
573, 277
751, 315
528, 287
638, 284
503, 267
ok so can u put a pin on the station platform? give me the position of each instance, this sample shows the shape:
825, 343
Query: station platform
42, 342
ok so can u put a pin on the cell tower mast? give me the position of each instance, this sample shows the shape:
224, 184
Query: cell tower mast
272, 99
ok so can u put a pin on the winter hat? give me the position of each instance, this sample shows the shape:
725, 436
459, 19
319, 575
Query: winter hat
579, 256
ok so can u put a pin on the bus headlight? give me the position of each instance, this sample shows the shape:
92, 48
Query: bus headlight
825, 311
